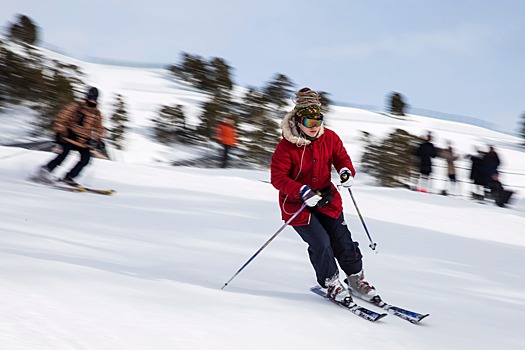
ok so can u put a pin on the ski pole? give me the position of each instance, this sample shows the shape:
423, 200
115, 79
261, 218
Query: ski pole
372, 244
34, 148
265, 244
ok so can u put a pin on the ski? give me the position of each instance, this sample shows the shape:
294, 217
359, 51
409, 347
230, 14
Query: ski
84, 189
358, 310
410, 316
59, 186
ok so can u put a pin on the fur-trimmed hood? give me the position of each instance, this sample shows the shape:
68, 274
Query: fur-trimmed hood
291, 134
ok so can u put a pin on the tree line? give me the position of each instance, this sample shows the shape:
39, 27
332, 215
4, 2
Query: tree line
45, 85
41, 84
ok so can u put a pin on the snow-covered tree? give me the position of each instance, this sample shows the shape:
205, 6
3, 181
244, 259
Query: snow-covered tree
118, 119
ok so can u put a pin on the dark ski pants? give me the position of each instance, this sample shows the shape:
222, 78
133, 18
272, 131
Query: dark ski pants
329, 239
85, 156
225, 152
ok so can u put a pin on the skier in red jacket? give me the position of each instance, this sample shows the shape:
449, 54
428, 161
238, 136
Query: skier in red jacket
301, 170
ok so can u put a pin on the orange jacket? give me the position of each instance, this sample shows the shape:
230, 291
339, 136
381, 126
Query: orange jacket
226, 134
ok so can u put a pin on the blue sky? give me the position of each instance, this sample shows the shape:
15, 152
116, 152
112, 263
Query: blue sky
458, 57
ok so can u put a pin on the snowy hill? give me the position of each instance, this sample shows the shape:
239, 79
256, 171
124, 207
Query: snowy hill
143, 269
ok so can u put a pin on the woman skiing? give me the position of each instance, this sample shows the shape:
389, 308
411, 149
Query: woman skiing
301, 170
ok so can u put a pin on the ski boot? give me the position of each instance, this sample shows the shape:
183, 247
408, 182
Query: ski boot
360, 286
337, 291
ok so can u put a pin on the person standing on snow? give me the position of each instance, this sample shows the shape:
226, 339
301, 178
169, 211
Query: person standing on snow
301, 171
491, 162
77, 126
226, 135
450, 156
477, 174
425, 151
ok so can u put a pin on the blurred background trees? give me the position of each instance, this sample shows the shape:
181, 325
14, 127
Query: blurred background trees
169, 124
119, 119
24, 30
391, 161
45, 85
31, 80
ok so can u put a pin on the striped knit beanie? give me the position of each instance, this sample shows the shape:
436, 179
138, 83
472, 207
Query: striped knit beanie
307, 104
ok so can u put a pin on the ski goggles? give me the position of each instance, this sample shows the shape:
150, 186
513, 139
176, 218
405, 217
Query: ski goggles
312, 122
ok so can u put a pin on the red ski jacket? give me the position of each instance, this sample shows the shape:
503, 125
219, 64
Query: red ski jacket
297, 162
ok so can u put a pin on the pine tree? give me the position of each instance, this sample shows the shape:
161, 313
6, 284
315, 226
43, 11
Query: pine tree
15, 70
252, 101
391, 161
24, 30
51, 88
279, 91
263, 137
262, 128
194, 70
59, 93
118, 119
41, 84
211, 112
220, 74
170, 124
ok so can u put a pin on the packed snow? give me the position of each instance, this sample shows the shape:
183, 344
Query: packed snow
143, 269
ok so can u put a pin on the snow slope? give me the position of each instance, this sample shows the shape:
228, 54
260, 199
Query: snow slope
143, 269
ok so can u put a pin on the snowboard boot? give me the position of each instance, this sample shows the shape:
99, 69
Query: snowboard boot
337, 291
360, 286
